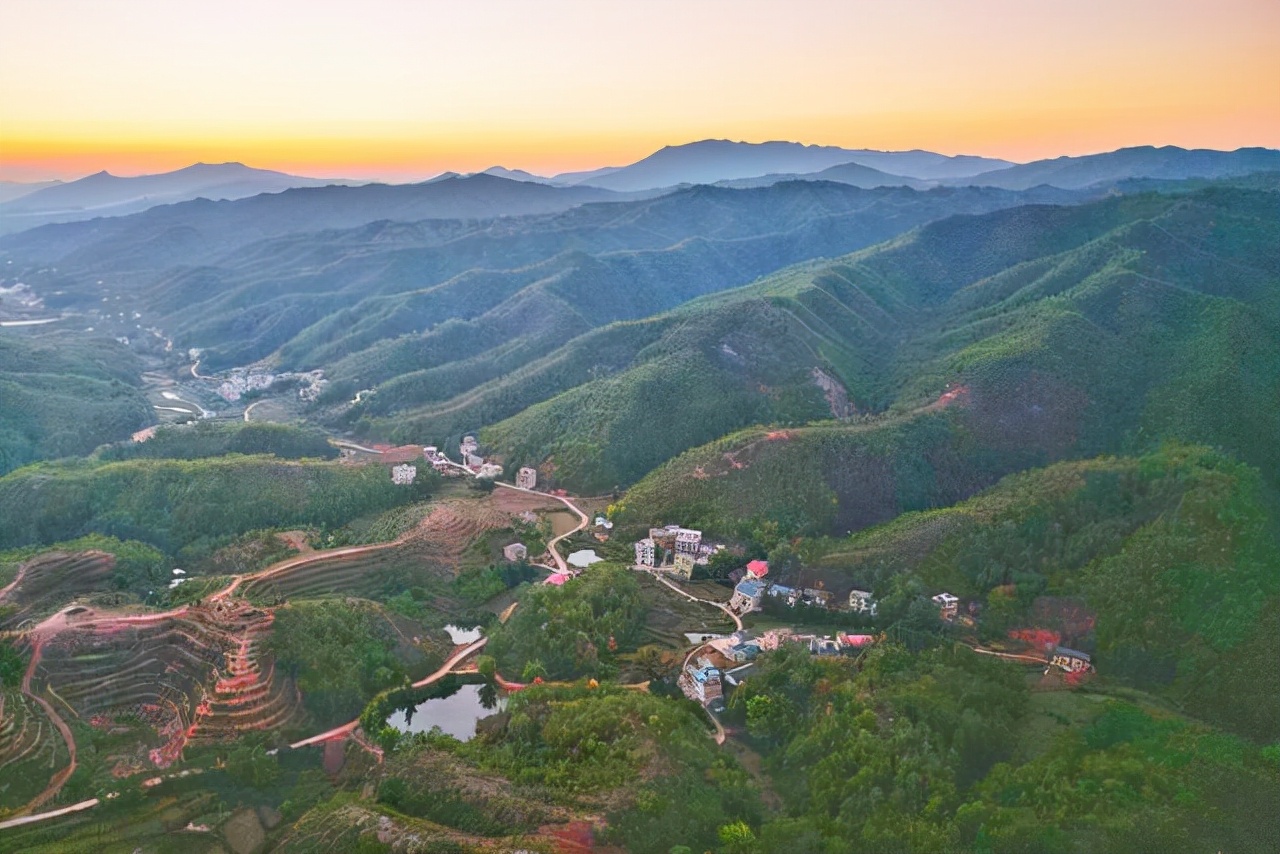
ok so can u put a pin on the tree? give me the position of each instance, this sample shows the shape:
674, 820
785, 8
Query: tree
533, 669
653, 663
737, 838
721, 563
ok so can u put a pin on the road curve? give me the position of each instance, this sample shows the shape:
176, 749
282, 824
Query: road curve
737, 621
350, 727
583, 519
32, 819
58, 780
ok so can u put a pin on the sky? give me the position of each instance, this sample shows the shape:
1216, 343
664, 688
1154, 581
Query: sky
405, 89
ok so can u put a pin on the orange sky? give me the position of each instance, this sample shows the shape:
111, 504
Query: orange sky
403, 89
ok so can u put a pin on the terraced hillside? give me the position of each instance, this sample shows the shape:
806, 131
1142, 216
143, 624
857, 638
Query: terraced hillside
49, 581
430, 552
31, 750
196, 673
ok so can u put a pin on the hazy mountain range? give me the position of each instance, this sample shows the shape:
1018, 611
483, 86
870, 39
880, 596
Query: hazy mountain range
104, 194
738, 164
722, 162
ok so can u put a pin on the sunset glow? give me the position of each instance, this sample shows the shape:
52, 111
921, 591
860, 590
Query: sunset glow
403, 90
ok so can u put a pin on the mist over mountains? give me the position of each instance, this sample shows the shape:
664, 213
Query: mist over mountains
104, 194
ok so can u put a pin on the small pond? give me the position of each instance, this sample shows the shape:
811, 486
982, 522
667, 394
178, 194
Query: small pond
455, 714
562, 521
461, 636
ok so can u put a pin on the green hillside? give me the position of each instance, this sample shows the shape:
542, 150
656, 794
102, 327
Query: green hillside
63, 395
1166, 563
1007, 341
174, 503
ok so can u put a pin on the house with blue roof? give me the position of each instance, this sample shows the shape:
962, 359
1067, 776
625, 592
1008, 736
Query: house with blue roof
747, 595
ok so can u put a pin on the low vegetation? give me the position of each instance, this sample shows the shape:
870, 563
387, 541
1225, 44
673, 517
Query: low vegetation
173, 503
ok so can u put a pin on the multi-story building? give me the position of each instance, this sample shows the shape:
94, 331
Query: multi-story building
404, 474
527, 478
683, 565
645, 552
746, 596
688, 541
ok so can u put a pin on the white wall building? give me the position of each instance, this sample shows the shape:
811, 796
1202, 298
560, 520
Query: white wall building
688, 541
404, 474
645, 552
527, 478
860, 602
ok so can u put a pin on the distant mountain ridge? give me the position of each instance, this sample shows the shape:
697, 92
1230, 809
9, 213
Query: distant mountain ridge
104, 194
711, 160
201, 230
10, 190
1167, 162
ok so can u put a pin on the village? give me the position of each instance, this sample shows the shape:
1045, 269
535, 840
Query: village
718, 663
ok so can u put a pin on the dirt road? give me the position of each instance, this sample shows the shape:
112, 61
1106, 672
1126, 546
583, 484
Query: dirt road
348, 728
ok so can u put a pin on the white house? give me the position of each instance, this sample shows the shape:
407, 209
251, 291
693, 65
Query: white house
515, 552
644, 552
860, 602
947, 604
687, 542
527, 478
404, 474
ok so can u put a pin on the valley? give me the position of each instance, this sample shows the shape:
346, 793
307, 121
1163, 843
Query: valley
942, 488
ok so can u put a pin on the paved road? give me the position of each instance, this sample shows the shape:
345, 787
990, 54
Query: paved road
584, 520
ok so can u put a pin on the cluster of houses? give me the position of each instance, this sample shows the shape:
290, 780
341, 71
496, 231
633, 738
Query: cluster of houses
239, 384
750, 592
681, 548
730, 660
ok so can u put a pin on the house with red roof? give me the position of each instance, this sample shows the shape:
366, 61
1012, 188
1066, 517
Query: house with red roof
758, 568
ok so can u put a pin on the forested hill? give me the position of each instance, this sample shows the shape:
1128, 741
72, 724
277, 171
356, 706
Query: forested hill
63, 394
973, 347
371, 302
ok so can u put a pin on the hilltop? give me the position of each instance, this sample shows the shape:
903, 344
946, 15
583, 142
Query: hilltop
978, 346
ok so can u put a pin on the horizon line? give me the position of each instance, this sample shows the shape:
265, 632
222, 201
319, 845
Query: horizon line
401, 173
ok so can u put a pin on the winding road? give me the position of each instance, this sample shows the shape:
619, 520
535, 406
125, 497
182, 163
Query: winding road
56, 623
584, 520
737, 621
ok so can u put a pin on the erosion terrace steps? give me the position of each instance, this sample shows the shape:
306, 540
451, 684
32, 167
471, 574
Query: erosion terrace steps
48, 582
25, 733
